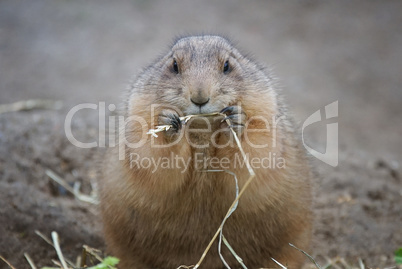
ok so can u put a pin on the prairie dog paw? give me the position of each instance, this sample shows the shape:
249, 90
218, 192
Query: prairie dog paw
237, 118
170, 117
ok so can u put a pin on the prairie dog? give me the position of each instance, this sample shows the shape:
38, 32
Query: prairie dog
159, 216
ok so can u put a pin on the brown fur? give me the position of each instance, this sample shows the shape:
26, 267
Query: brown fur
167, 218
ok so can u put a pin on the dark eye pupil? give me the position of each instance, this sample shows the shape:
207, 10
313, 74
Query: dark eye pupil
175, 67
226, 67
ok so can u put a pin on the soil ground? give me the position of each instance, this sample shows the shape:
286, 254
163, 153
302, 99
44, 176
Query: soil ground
87, 51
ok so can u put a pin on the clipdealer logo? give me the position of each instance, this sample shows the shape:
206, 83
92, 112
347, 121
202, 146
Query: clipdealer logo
330, 156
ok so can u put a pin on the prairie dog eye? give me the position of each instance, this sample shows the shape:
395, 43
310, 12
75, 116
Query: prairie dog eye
226, 67
175, 67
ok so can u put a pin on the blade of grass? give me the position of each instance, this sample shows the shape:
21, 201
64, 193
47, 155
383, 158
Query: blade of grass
28, 258
9, 264
55, 238
305, 253
250, 179
77, 194
278, 263
47, 240
30, 104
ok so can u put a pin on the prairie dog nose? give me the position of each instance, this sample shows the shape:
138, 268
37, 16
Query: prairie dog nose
200, 97
199, 100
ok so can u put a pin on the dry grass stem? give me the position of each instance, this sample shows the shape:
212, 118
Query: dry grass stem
78, 262
83, 257
81, 261
250, 170
9, 264
250, 179
159, 128
29, 260
361, 264
55, 238
75, 191
344, 263
57, 263
305, 253
44, 237
30, 104
47, 240
184, 120
92, 252
240, 260
278, 263
235, 202
223, 223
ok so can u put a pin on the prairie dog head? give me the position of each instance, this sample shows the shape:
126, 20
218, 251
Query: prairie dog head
202, 74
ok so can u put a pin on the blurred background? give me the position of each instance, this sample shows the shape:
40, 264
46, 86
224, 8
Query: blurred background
321, 51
